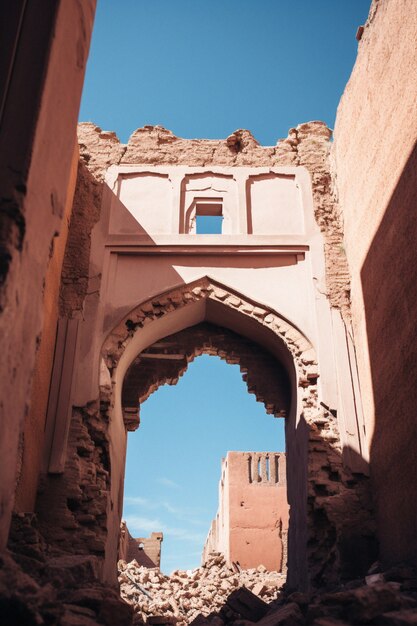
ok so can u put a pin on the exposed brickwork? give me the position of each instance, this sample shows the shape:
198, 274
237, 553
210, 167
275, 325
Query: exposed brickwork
72, 507
75, 270
264, 376
104, 149
341, 527
25, 541
44, 585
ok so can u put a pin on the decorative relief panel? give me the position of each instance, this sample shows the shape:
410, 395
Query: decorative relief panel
274, 205
148, 197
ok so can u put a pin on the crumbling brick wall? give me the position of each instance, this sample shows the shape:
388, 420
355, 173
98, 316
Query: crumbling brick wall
329, 481
264, 376
72, 506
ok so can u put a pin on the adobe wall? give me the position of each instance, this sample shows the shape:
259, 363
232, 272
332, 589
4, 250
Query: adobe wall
31, 449
374, 170
154, 154
42, 80
306, 146
376, 178
145, 550
277, 277
251, 525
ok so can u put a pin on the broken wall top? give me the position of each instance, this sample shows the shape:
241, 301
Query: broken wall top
158, 146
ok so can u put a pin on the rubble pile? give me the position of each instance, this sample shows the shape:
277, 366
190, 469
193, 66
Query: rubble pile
218, 595
184, 595
382, 598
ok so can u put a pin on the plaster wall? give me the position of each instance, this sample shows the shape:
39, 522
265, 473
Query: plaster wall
31, 447
127, 285
270, 196
375, 170
252, 522
283, 271
47, 64
293, 263
291, 258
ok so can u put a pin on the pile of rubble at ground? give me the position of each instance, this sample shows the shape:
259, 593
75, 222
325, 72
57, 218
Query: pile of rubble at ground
186, 594
386, 598
218, 595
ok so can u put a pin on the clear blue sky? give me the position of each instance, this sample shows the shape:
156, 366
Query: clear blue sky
173, 464
204, 68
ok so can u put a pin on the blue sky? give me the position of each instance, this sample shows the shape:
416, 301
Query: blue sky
204, 68
173, 464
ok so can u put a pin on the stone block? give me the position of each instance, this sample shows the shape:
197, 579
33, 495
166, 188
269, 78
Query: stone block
243, 603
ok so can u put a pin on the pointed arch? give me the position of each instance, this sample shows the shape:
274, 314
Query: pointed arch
207, 299
330, 533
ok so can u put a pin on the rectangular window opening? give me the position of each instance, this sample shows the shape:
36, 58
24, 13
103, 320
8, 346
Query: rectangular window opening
250, 468
209, 224
209, 217
277, 469
259, 470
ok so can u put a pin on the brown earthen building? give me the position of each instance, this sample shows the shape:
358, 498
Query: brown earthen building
108, 291
251, 525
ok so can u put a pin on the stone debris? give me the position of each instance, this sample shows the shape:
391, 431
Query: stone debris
184, 595
218, 595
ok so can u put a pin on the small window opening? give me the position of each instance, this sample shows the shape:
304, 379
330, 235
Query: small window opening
209, 217
208, 224
267, 468
277, 469
250, 468
259, 470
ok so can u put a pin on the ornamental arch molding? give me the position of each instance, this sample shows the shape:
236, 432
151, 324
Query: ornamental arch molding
201, 300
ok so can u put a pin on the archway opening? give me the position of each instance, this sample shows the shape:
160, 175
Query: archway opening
293, 392
233, 440
174, 459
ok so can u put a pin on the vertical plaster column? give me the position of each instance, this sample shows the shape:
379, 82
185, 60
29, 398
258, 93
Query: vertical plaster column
242, 218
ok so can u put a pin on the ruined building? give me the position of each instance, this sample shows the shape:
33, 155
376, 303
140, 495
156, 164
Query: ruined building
108, 291
146, 551
251, 526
